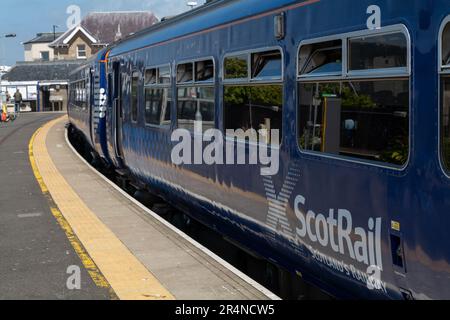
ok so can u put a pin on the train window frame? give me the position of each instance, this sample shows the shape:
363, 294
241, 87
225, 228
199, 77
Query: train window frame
442, 68
157, 68
327, 75
208, 81
145, 76
249, 77
345, 38
197, 84
250, 81
169, 66
139, 77
159, 85
178, 82
265, 78
382, 71
359, 76
236, 55
443, 71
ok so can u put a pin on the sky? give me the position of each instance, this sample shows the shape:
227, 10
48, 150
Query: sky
28, 17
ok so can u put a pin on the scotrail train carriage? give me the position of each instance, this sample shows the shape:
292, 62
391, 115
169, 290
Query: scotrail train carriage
355, 198
87, 107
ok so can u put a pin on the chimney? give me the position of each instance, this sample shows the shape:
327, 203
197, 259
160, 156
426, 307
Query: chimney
118, 34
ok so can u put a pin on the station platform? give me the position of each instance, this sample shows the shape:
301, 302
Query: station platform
126, 249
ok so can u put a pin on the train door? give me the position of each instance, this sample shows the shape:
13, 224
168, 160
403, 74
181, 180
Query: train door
91, 101
117, 110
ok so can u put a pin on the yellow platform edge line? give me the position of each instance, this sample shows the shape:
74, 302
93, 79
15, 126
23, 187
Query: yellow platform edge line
109, 263
93, 271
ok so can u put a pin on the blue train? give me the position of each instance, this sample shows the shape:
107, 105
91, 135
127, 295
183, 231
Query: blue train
315, 133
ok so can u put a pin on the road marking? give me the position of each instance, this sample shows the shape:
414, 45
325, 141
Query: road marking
119, 268
29, 215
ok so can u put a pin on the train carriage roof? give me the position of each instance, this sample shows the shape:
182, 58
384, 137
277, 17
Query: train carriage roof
216, 13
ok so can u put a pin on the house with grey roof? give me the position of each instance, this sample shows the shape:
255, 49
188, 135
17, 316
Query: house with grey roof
50, 57
97, 30
37, 49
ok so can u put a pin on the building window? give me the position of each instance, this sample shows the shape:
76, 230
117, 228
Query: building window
196, 94
81, 51
158, 96
45, 55
363, 115
134, 96
253, 103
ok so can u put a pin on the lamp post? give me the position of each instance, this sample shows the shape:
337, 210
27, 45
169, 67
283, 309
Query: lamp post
54, 31
7, 35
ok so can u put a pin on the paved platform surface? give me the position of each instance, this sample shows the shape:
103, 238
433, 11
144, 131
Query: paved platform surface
139, 255
35, 253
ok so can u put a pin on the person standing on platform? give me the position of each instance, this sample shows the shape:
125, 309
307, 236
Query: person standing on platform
17, 101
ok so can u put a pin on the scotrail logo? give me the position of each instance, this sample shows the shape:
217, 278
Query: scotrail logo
212, 148
334, 232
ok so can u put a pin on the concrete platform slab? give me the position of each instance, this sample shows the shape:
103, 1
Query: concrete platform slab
182, 267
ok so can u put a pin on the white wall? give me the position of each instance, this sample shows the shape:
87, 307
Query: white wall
33, 51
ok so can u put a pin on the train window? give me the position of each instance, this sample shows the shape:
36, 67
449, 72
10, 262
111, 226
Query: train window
157, 106
364, 119
236, 67
253, 107
164, 75
378, 52
150, 76
204, 71
445, 122
324, 58
134, 96
446, 46
158, 97
185, 73
445, 98
347, 114
267, 65
196, 104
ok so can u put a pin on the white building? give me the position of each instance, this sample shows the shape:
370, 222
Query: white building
38, 48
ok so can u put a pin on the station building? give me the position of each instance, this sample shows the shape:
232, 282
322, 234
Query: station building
43, 85
50, 57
